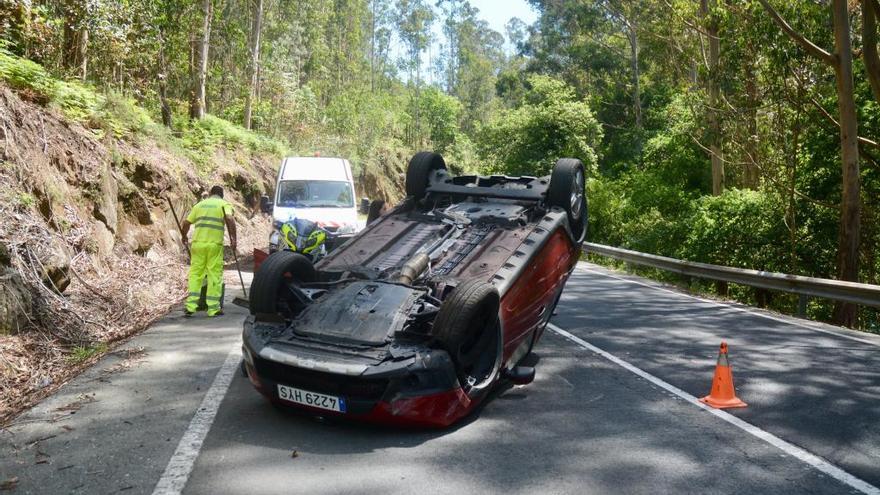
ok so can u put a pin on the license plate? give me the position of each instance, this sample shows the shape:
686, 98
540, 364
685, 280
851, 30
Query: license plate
313, 399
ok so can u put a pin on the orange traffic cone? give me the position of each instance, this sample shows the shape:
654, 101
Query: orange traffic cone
723, 395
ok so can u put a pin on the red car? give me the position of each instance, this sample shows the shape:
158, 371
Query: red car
416, 318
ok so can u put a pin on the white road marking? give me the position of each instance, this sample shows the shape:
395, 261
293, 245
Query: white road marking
792, 450
180, 466
736, 308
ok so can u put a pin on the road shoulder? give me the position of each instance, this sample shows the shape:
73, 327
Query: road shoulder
115, 426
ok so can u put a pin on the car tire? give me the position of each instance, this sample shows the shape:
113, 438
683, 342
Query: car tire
567, 191
375, 210
270, 281
467, 325
419, 171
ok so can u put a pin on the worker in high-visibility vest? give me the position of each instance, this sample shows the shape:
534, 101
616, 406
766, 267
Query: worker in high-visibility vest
209, 216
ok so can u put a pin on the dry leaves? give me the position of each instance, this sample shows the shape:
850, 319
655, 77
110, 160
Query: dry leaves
106, 301
9, 484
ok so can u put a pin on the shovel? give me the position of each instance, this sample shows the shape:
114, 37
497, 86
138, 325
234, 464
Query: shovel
238, 301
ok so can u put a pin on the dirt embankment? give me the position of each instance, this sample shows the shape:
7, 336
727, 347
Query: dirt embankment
383, 176
89, 247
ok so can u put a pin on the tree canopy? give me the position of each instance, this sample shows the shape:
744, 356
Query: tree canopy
742, 132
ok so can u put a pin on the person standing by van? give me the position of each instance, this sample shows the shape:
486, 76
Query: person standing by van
211, 217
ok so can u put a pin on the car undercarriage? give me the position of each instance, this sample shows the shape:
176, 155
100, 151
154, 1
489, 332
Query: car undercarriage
414, 319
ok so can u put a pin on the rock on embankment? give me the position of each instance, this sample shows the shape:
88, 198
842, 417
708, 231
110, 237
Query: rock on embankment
89, 248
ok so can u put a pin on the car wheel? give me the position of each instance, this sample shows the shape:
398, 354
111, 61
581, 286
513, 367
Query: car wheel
419, 170
375, 210
567, 191
270, 290
468, 328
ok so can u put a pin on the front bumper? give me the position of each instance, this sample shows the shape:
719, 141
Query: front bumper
418, 391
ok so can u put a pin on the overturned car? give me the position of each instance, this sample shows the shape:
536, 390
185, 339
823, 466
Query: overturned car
413, 320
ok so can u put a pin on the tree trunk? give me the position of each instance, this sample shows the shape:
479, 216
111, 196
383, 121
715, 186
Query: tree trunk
850, 224
714, 97
869, 41
418, 135
255, 61
791, 209
201, 43
452, 70
637, 93
163, 85
76, 40
82, 53
373, 46
850, 205
751, 178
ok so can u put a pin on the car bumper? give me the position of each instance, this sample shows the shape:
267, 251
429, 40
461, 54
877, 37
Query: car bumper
420, 392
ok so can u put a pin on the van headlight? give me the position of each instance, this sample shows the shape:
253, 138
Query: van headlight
346, 229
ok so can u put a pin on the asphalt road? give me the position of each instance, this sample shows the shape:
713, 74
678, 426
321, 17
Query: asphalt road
586, 425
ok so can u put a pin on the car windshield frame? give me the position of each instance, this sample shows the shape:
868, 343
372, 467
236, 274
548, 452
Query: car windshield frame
314, 194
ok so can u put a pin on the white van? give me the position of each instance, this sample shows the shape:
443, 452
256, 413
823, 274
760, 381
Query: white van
320, 189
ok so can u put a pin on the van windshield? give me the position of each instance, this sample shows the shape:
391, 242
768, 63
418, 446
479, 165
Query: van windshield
315, 194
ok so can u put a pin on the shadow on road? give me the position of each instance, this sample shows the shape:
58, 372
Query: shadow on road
816, 390
583, 426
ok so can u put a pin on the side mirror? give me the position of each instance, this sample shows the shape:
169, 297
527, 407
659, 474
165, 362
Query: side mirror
365, 206
266, 206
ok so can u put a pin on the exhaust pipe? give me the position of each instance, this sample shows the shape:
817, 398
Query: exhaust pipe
413, 268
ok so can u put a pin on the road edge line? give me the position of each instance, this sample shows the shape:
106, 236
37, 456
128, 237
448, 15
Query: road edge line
804, 456
735, 307
176, 474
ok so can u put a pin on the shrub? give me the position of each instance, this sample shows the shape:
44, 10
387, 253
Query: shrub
440, 112
551, 124
210, 132
22, 74
740, 228
123, 117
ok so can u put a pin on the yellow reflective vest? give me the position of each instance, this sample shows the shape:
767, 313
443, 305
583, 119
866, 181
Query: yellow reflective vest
208, 218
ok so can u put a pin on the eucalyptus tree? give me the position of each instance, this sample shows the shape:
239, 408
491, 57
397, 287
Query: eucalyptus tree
841, 60
201, 41
254, 65
415, 18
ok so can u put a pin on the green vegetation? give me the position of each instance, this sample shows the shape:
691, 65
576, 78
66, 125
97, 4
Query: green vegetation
26, 199
721, 141
550, 123
26, 75
711, 133
122, 117
211, 132
81, 354
80, 103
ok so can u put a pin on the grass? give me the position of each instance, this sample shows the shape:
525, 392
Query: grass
212, 132
121, 117
26, 199
81, 354
23, 74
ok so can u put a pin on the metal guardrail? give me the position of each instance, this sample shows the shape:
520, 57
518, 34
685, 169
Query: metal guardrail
864, 294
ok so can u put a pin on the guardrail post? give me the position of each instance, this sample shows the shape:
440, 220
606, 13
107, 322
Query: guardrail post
803, 301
